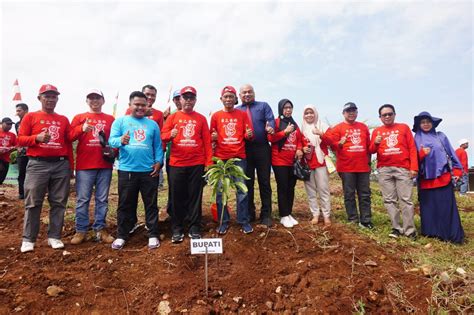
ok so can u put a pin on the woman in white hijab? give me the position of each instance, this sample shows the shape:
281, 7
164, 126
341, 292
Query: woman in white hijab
315, 150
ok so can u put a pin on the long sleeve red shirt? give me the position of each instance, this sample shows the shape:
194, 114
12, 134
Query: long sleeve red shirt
192, 145
7, 142
311, 158
397, 147
293, 142
353, 155
462, 156
231, 133
89, 150
58, 127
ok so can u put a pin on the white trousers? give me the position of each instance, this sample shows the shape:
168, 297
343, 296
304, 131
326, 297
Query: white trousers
318, 184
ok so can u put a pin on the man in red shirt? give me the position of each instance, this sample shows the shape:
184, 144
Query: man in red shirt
91, 168
350, 139
46, 136
7, 145
229, 129
397, 165
462, 155
21, 158
191, 152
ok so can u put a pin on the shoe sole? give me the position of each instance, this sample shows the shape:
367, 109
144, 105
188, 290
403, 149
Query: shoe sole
55, 247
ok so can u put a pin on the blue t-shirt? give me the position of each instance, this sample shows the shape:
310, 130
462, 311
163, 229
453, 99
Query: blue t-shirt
144, 148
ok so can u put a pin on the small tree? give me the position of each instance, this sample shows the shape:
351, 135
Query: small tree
222, 176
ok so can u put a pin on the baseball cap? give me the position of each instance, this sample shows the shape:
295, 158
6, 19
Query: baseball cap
95, 91
176, 93
228, 89
463, 141
348, 106
188, 89
48, 88
7, 120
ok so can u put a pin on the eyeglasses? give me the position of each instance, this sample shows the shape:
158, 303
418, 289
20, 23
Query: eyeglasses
387, 114
189, 97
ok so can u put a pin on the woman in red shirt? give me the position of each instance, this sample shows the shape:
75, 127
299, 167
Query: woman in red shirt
286, 141
439, 168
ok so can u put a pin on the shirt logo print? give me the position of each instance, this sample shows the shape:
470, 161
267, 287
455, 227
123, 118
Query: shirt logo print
98, 128
392, 140
188, 130
292, 137
139, 135
54, 132
230, 129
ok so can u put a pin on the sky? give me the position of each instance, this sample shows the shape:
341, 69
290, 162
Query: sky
416, 55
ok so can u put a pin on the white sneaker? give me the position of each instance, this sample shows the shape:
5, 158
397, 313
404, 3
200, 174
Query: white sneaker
286, 222
55, 243
118, 243
27, 247
153, 243
293, 220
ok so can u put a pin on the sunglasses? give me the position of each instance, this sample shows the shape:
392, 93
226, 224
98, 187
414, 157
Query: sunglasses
387, 115
189, 97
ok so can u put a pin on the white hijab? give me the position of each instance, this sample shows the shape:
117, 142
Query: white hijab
307, 130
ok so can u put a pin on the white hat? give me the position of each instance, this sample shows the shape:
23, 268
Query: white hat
463, 141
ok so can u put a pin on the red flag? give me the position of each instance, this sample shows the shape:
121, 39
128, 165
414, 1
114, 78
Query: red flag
16, 92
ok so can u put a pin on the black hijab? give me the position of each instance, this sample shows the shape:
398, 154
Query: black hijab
284, 121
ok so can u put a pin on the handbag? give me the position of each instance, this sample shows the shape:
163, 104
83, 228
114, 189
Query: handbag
108, 154
455, 182
301, 169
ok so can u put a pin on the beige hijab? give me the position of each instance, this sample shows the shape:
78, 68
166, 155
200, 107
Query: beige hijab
307, 130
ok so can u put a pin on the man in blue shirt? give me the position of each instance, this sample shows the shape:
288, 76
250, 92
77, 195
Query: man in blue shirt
258, 152
140, 160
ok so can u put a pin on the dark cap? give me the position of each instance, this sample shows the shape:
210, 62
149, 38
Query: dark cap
7, 120
349, 106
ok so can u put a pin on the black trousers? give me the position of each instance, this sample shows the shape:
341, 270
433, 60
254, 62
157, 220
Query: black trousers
22, 163
186, 185
360, 182
286, 182
259, 157
4, 166
130, 184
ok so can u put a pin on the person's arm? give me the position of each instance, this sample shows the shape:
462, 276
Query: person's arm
375, 141
76, 128
157, 152
115, 139
213, 128
269, 117
206, 139
412, 151
68, 144
278, 135
167, 128
25, 138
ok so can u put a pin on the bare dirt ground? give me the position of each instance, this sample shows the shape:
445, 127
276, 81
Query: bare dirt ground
309, 269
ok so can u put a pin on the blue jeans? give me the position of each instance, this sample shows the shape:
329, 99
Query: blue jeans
85, 182
242, 202
465, 185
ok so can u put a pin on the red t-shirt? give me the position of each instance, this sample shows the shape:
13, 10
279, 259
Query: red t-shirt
311, 158
231, 133
57, 126
156, 116
462, 156
397, 147
285, 156
7, 141
353, 155
89, 150
192, 145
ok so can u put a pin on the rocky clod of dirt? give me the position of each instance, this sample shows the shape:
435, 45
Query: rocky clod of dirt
164, 308
54, 290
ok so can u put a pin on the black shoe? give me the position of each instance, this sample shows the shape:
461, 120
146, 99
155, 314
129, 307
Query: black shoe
266, 221
367, 225
177, 237
194, 235
395, 233
413, 236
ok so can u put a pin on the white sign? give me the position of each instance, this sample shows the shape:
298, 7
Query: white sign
213, 245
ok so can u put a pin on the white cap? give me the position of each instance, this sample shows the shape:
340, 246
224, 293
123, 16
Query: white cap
95, 91
463, 141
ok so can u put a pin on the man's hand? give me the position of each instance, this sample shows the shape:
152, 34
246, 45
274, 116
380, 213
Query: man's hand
86, 127
248, 132
306, 150
166, 113
214, 135
156, 169
299, 154
269, 129
126, 138
343, 139
174, 132
378, 138
413, 174
43, 137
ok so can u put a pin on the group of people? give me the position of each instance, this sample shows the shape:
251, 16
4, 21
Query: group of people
145, 137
